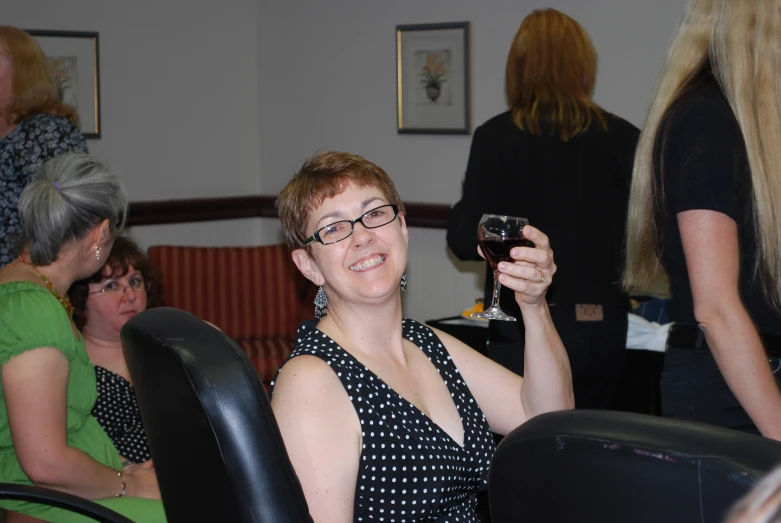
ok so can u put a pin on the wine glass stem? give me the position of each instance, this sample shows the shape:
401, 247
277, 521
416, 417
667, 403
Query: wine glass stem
497, 288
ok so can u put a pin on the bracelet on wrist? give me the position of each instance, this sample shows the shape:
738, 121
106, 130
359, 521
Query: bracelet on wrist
121, 492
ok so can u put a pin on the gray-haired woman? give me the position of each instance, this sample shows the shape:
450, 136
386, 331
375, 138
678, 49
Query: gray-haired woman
69, 215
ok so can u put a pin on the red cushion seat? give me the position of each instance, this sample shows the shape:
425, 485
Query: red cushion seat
254, 294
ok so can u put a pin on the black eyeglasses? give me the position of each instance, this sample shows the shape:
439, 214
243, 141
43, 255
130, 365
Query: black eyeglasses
341, 230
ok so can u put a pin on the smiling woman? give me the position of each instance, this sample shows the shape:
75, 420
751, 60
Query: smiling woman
125, 285
373, 407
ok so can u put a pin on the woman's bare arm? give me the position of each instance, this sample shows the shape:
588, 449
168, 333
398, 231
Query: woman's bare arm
35, 386
710, 244
322, 436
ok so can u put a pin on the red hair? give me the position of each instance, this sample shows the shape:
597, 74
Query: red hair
551, 70
323, 176
32, 85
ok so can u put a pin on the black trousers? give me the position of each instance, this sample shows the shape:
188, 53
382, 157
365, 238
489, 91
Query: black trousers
692, 388
596, 351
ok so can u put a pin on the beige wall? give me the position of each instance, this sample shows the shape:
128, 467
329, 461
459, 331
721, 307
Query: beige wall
203, 98
327, 80
179, 101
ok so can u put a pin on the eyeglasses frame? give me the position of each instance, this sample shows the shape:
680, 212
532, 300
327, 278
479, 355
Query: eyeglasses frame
147, 285
316, 235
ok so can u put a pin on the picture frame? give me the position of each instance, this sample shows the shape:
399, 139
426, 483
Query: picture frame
432, 78
74, 61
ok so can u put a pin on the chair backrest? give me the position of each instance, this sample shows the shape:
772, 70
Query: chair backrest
248, 292
214, 440
599, 466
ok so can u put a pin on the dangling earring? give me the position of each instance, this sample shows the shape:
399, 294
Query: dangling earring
404, 282
321, 304
97, 253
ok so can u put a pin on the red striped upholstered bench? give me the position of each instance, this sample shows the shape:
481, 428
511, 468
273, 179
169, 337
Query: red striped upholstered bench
254, 294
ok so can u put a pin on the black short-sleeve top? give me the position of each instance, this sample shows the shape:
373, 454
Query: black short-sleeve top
701, 162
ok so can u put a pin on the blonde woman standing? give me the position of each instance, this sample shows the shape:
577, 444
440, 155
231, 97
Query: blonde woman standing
706, 206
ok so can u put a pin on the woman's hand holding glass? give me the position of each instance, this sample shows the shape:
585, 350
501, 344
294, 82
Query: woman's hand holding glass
532, 272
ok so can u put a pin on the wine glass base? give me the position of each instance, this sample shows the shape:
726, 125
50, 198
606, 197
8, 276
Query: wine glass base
493, 313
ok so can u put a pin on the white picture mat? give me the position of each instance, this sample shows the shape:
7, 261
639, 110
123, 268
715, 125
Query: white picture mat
452, 116
83, 49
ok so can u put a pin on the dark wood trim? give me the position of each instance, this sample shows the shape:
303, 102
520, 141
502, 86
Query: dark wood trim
159, 212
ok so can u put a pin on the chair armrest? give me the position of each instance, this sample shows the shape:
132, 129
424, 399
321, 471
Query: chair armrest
55, 498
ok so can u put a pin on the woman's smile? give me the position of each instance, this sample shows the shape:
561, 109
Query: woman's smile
368, 262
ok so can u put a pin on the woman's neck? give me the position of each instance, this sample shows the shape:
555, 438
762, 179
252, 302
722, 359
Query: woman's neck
371, 329
60, 273
105, 351
101, 341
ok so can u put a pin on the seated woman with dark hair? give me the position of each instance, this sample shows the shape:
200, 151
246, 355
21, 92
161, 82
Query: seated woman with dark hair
126, 285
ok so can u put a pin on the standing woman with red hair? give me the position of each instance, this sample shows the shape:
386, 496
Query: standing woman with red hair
34, 126
560, 160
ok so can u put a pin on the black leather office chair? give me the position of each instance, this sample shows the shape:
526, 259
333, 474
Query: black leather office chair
55, 498
213, 437
599, 466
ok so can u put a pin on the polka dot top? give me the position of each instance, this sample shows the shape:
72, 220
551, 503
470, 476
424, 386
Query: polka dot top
410, 470
117, 412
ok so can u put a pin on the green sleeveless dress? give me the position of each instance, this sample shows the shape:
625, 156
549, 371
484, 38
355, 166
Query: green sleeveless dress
30, 318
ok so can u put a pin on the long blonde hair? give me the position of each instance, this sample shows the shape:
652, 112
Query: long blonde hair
740, 39
550, 74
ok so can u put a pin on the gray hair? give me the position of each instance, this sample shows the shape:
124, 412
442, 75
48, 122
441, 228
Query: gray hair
70, 195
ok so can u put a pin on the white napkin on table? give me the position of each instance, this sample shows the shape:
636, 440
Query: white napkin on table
646, 335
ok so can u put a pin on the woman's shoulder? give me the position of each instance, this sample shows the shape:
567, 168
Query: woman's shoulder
47, 121
310, 358
616, 123
410, 326
23, 302
703, 103
22, 294
30, 317
501, 123
43, 128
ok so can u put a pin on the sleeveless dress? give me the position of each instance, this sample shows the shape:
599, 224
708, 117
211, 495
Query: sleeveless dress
31, 318
410, 469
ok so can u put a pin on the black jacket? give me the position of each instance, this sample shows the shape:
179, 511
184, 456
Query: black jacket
576, 192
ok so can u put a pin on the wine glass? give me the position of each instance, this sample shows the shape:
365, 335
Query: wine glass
497, 235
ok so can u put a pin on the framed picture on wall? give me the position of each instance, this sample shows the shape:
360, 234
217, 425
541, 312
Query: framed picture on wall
432, 78
73, 60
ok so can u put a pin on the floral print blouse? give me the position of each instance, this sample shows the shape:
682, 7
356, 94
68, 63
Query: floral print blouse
23, 151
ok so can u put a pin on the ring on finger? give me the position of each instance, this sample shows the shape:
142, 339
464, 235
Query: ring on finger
542, 276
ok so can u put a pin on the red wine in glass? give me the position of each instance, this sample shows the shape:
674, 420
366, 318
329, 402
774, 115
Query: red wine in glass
497, 235
498, 249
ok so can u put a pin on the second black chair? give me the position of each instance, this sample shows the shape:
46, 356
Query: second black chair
604, 467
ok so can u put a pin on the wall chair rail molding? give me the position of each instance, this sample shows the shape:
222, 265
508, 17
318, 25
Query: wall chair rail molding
160, 212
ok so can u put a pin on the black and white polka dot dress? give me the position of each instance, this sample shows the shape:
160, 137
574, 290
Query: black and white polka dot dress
411, 470
116, 409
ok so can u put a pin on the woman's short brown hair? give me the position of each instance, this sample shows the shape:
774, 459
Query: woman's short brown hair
551, 70
323, 176
124, 254
33, 90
